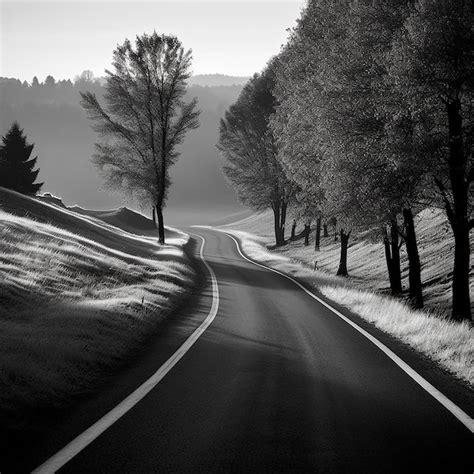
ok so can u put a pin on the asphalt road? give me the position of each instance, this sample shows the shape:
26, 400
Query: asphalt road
276, 383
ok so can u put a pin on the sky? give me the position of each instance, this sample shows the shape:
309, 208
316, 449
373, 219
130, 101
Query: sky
63, 38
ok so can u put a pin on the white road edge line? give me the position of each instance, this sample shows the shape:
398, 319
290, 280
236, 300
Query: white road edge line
462, 416
73, 448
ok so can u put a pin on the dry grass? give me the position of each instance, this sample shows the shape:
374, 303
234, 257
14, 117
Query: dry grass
254, 247
72, 307
448, 343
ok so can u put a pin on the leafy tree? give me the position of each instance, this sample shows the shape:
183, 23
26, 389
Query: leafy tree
249, 149
85, 76
296, 121
145, 118
50, 81
16, 168
386, 182
304, 80
35, 82
299, 155
432, 68
331, 122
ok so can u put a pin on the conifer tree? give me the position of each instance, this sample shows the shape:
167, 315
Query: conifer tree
16, 168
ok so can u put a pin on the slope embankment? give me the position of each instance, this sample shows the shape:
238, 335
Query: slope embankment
79, 295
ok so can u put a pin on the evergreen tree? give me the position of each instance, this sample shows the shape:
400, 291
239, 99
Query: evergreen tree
16, 168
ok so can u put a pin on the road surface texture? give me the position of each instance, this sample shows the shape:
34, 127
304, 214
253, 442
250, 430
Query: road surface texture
276, 383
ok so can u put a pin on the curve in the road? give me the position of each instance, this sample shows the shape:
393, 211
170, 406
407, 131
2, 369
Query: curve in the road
276, 384
462, 416
63, 456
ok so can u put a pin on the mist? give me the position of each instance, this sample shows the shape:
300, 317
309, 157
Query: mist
53, 120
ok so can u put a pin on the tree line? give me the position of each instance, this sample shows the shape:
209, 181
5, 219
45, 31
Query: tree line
51, 91
362, 120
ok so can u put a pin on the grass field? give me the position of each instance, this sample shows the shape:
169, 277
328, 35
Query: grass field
365, 292
78, 296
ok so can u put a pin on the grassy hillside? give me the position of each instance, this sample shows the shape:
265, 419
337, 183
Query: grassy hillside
78, 296
366, 260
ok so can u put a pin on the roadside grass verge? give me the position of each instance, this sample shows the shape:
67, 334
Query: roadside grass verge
73, 308
366, 259
448, 343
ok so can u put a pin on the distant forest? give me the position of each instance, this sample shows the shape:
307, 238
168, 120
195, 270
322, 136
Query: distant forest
51, 116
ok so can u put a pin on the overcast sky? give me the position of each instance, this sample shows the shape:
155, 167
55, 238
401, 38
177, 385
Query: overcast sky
63, 38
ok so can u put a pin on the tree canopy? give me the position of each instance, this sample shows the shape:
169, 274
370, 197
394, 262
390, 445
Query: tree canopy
249, 149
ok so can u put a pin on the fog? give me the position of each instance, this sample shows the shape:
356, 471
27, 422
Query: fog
53, 120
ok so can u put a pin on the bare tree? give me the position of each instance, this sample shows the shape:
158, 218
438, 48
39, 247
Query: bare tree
145, 118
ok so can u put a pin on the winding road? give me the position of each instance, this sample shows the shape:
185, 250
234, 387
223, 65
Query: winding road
273, 381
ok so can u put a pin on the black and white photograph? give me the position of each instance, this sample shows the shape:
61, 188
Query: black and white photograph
236, 236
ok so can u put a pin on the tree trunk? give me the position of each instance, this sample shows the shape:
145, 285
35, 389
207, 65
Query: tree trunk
162, 180
395, 247
277, 220
325, 230
293, 230
392, 257
284, 207
415, 291
317, 243
458, 213
307, 230
342, 270
153, 215
161, 225
462, 254
388, 257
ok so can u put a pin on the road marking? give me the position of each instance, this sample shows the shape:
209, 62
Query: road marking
462, 416
63, 456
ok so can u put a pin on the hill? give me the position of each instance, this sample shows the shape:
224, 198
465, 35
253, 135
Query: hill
79, 296
212, 80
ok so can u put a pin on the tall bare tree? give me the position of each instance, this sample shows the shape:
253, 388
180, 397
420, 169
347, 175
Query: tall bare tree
144, 119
